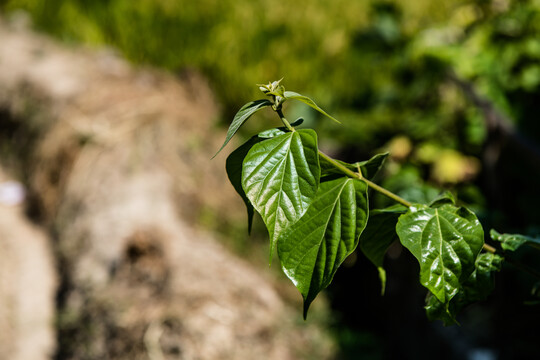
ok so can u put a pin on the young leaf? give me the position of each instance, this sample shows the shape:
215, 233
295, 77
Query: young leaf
477, 287
511, 242
296, 96
446, 241
315, 246
378, 235
241, 117
280, 177
297, 122
445, 197
369, 167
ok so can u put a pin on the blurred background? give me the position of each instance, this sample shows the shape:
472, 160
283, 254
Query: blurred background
450, 88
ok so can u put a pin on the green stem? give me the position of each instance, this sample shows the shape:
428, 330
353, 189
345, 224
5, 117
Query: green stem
371, 184
284, 120
489, 248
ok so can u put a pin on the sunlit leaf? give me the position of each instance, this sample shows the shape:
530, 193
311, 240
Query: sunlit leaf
241, 117
280, 177
446, 241
314, 247
296, 96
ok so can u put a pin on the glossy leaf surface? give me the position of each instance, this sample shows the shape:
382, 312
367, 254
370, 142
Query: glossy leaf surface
241, 117
477, 287
312, 249
234, 164
296, 96
280, 177
446, 241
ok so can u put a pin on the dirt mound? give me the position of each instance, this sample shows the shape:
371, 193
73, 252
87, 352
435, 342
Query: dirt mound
116, 160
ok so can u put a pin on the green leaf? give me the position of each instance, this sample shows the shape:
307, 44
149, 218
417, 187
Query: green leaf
511, 242
233, 166
314, 247
296, 96
241, 117
378, 235
280, 177
271, 133
297, 122
446, 242
444, 198
369, 167
235, 161
477, 287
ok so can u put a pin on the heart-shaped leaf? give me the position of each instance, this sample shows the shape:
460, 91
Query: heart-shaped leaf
241, 117
446, 241
280, 177
315, 246
378, 235
296, 96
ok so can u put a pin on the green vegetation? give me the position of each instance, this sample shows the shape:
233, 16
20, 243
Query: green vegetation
449, 89
412, 76
316, 209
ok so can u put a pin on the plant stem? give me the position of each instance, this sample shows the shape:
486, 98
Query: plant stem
387, 193
284, 120
489, 248
371, 184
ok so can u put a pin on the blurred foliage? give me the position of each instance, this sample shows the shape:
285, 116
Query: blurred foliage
384, 68
381, 67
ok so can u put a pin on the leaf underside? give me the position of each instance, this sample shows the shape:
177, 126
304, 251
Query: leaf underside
446, 241
314, 247
296, 96
233, 165
241, 117
280, 177
512, 242
378, 235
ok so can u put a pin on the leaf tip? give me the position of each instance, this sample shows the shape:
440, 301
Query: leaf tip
306, 308
382, 277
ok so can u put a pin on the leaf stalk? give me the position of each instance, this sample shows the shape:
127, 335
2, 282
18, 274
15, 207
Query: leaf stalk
284, 120
371, 184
